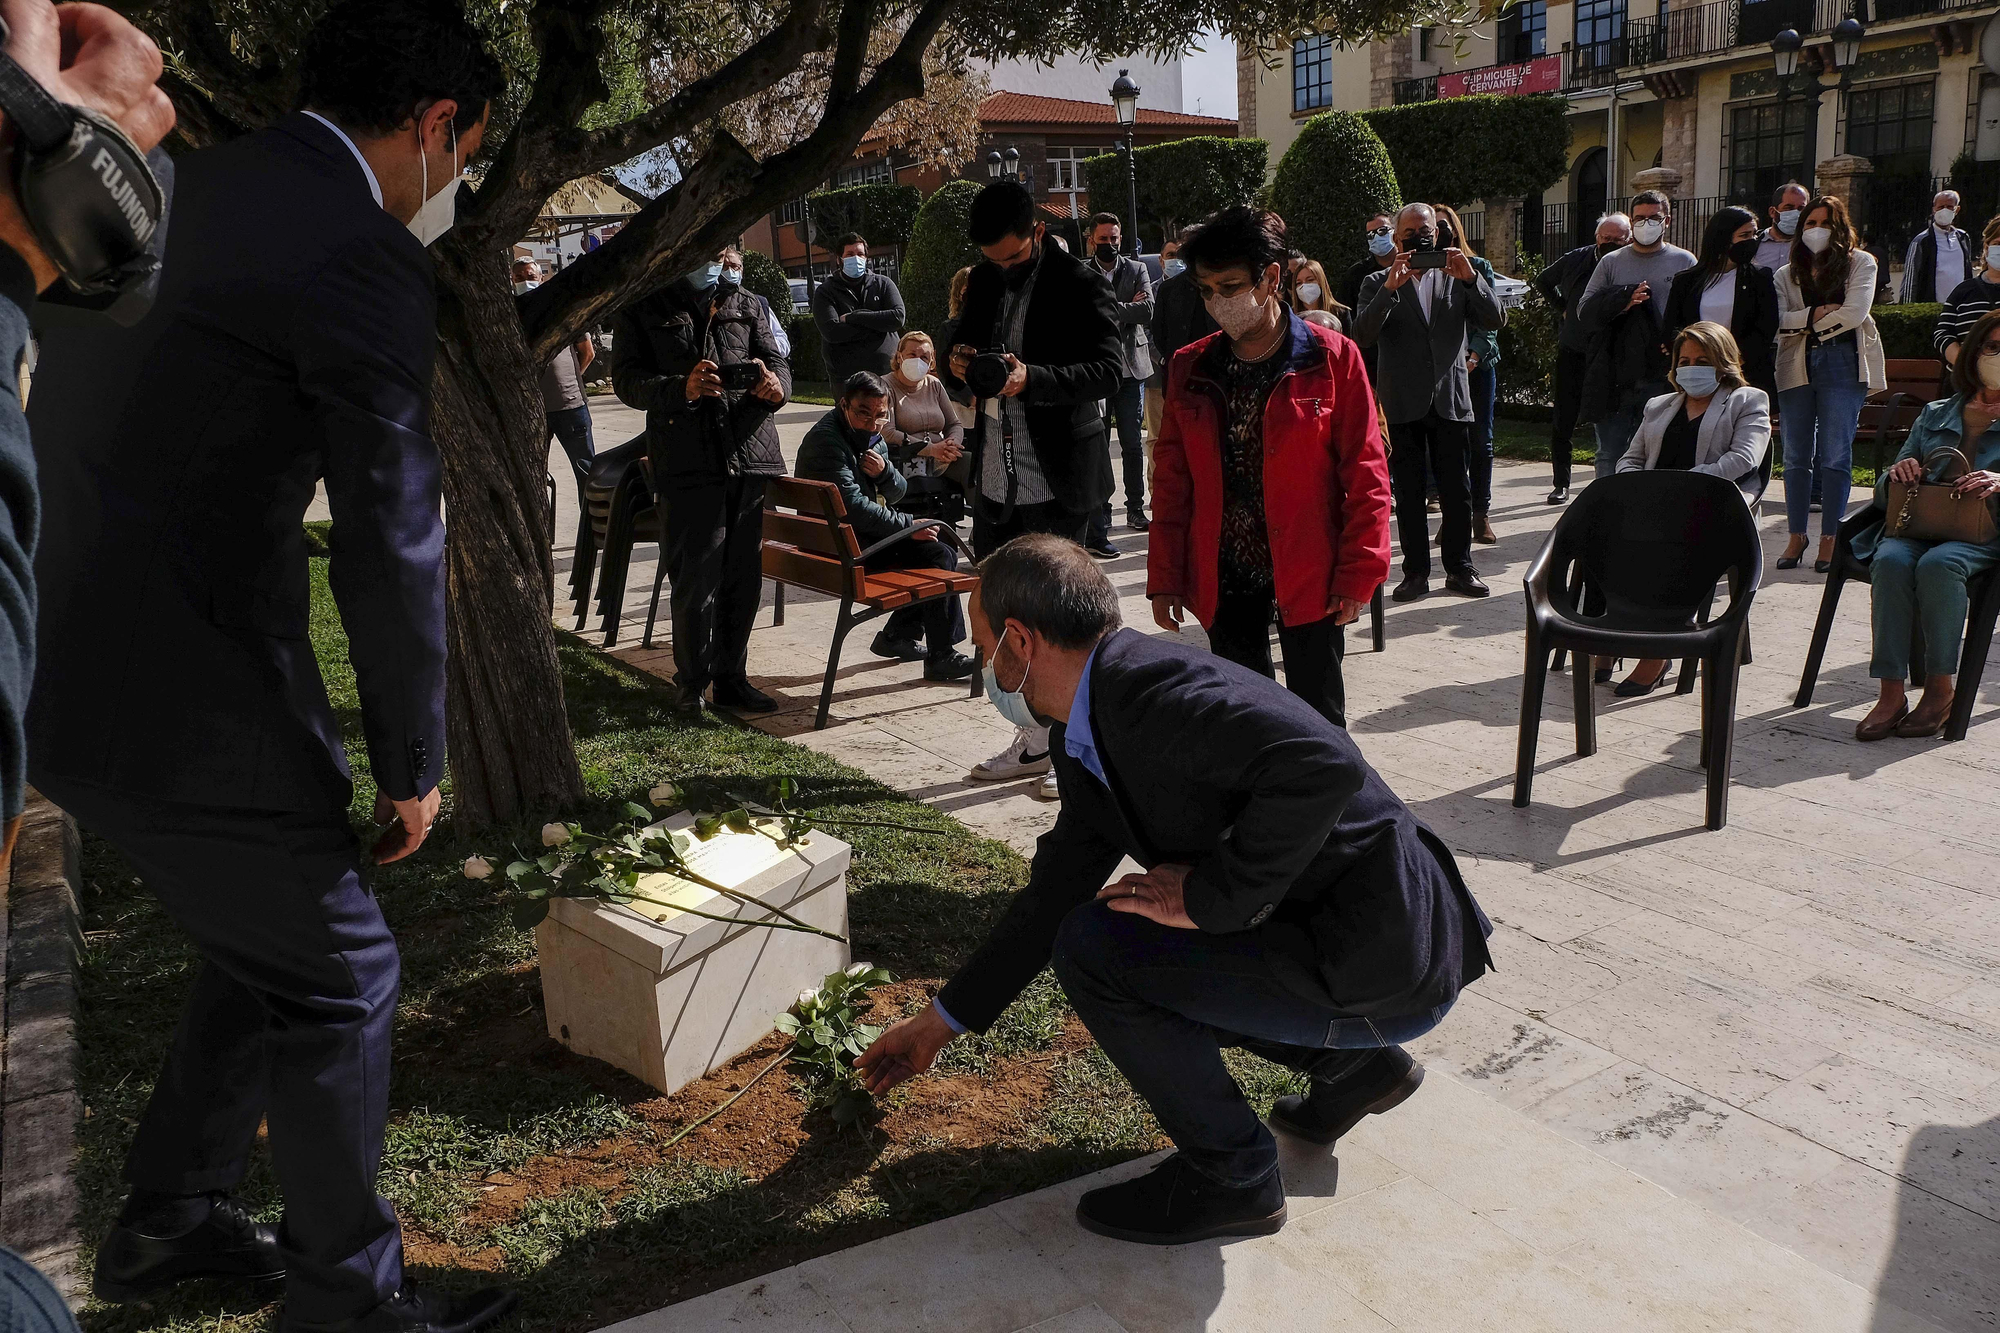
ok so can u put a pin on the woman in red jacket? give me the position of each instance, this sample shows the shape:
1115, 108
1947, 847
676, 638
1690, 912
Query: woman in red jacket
1272, 486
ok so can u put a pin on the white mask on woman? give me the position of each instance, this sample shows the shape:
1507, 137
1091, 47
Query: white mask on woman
1309, 293
1697, 381
1993, 257
1989, 371
1239, 314
1817, 239
915, 368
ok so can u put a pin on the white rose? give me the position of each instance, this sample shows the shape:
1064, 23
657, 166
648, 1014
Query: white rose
859, 969
665, 794
477, 867
554, 835
808, 998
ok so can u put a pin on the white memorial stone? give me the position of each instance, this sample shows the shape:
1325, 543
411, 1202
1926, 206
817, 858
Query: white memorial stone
666, 995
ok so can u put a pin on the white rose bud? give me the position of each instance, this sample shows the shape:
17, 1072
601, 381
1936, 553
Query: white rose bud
858, 969
807, 998
554, 835
477, 867
665, 794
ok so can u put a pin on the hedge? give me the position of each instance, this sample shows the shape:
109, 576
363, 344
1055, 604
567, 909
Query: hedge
1468, 148
1906, 329
938, 248
1528, 346
1179, 182
807, 360
882, 213
762, 275
1335, 174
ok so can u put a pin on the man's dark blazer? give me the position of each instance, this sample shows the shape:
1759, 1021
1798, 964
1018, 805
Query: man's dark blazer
1753, 319
1561, 285
1289, 831
1071, 347
292, 340
1179, 318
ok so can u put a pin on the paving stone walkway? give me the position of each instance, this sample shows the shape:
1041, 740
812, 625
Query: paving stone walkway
1790, 1029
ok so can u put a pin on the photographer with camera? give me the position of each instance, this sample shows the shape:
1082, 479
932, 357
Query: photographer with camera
698, 358
1039, 347
1417, 311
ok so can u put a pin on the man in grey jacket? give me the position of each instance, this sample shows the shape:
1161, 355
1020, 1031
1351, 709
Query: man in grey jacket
1417, 315
1132, 288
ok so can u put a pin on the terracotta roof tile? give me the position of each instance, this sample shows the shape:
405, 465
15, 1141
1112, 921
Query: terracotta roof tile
1004, 108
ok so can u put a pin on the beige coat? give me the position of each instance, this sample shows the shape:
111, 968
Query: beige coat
1852, 314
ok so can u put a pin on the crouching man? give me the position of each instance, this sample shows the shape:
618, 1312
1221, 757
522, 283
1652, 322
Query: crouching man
1292, 905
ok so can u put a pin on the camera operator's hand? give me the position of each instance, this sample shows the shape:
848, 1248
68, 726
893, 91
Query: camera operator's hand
961, 357
84, 55
1017, 378
1458, 266
1399, 271
873, 463
704, 381
767, 387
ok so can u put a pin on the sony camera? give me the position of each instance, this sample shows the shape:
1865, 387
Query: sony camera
986, 374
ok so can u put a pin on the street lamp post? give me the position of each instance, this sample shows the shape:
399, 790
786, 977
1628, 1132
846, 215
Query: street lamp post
1785, 49
1125, 102
1010, 164
993, 165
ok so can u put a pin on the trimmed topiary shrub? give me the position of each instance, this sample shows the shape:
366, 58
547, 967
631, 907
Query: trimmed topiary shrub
1906, 329
1528, 346
807, 360
1335, 174
938, 248
1468, 148
1181, 182
762, 275
882, 213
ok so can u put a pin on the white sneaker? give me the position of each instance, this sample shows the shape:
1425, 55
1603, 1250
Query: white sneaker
1027, 756
1045, 790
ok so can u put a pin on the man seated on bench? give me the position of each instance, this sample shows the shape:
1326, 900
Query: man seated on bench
845, 447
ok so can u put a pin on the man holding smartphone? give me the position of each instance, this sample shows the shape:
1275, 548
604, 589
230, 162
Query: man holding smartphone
698, 358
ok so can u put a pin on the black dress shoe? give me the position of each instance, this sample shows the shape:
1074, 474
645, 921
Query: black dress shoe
952, 666
902, 650
1173, 1204
1379, 1081
1560, 495
744, 697
687, 702
1466, 584
412, 1310
1136, 520
144, 1256
1411, 588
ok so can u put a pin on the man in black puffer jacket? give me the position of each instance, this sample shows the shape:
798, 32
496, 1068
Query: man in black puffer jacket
711, 447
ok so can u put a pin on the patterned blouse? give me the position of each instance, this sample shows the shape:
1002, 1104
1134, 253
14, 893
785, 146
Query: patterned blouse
1245, 557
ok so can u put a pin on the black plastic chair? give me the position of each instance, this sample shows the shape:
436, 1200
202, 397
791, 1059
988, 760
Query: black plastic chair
620, 511
1651, 546
1984, 590
1756, 497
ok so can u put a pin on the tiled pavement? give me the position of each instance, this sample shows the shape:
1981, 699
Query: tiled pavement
1790, 1028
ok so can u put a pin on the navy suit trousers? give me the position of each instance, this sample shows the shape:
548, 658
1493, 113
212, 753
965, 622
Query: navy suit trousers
289, 1020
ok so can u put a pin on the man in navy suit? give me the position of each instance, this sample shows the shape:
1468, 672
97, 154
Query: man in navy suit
1290, 905
178, 710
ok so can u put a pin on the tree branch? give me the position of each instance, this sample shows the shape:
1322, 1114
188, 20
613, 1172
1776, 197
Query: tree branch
857, 25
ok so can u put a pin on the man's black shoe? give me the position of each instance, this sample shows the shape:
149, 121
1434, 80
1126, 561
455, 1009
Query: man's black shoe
1136, 520
903, 650
1559, 495
1174, 1204
687, 702
1381, 1081
1466, 584
952, 666
412, 1310
1411, 588
743, 697
142, 1256
1104, 550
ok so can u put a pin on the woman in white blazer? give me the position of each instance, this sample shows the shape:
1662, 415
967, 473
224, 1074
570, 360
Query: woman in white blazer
1713, 422
1829, 361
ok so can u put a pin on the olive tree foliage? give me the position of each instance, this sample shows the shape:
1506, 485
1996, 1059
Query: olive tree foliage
750, 103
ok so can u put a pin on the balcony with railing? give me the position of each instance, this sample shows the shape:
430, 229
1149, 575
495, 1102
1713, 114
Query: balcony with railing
1423, 88
1593, 65
1682, 34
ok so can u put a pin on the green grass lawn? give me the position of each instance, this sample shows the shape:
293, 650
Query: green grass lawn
510, 1156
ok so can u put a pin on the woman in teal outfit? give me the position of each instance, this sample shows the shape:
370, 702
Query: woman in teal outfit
1919, 583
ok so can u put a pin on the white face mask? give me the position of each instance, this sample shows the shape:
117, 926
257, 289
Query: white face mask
915, 368
1239, 314
524, 287
1012, 704
1946, 216
1989, 371
1697, 381
1817, 239
1993, 257
1648, 231
1309, 293
1788, 221
440, 210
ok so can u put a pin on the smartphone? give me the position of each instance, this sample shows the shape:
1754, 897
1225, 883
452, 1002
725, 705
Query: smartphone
740, 378
1428, 259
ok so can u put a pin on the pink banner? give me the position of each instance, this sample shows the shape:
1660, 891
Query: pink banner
1534, 76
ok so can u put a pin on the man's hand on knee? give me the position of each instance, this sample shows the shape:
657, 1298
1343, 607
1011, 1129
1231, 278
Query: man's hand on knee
1156, 894
904, 1051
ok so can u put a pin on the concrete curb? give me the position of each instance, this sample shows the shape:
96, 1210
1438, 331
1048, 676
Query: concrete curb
38, 1092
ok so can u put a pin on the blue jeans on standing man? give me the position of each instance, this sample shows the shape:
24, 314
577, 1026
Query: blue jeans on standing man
1819, 419
1485, 381
571, 427
1126, 410
1162, 1003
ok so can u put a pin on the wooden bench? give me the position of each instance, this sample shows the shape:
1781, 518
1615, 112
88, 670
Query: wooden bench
1887, 416
809, 543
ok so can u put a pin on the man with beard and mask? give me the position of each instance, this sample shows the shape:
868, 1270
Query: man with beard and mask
712, 447
1290, 904
565, 408
1270, 431
1039, 460
1623, 315
1561, 285
179, 713
1132, 289
1417, 319
1774, 243
858, 313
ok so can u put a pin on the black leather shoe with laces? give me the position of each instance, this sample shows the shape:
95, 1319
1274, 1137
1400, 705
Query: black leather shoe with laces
952, 666
1173, 1204
742, 696
414, 1310
142, 1256
1411, 588
1376, 1081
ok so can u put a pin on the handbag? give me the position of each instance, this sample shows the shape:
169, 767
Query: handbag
1931, 511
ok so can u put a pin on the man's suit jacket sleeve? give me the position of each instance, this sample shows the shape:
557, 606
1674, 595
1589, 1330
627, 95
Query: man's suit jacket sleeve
1551, 280
1376, 301
1482, 308
363, 342
1135, 312
1098, 365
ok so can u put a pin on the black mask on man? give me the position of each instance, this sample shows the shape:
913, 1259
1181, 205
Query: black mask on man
1606, 247
1017, 275
1106, 252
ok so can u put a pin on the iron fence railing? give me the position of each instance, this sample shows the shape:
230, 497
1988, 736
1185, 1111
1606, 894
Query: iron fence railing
1725, 24
1421, 89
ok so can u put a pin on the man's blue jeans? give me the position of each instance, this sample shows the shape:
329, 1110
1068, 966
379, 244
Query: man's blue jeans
1125, 411
1615, 432
1162, 1003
